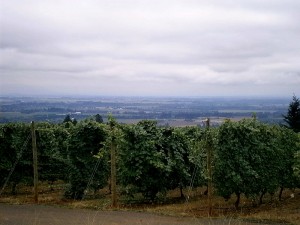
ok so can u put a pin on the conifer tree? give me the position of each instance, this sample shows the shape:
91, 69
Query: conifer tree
67, 119
98, 118
292, 118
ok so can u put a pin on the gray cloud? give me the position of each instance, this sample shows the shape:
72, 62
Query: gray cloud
133, 47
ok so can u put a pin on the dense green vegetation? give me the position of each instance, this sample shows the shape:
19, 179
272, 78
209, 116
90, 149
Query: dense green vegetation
254, 159
249, 157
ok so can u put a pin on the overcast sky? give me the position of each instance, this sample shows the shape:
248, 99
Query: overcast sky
150, 47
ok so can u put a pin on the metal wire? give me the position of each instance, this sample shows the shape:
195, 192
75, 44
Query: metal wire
19, 156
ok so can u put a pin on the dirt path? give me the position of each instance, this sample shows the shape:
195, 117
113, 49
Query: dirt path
48, 215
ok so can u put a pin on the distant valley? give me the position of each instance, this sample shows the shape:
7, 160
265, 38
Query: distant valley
166, 110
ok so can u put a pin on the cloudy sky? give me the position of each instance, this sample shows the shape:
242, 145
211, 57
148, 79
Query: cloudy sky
150, 47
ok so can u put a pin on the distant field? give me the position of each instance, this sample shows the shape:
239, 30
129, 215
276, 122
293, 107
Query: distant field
182, 122
246, 111
169, 111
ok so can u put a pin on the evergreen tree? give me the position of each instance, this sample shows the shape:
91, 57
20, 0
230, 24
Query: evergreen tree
74, 121
293, 115
98, 118
67, 119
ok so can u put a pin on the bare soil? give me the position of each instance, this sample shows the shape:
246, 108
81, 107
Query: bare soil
50, 215
96, 209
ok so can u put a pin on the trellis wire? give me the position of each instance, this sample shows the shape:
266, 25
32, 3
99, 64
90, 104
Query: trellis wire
192, 183
92, 177
15, 164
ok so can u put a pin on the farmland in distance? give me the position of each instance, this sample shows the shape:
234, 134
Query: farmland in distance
172, 111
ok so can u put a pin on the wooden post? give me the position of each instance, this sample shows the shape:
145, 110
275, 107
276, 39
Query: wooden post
209, 169
113, 176
113, 169
35, 163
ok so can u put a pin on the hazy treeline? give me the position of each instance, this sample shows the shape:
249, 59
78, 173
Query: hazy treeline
249, 157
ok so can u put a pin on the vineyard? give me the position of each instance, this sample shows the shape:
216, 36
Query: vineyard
248, 158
